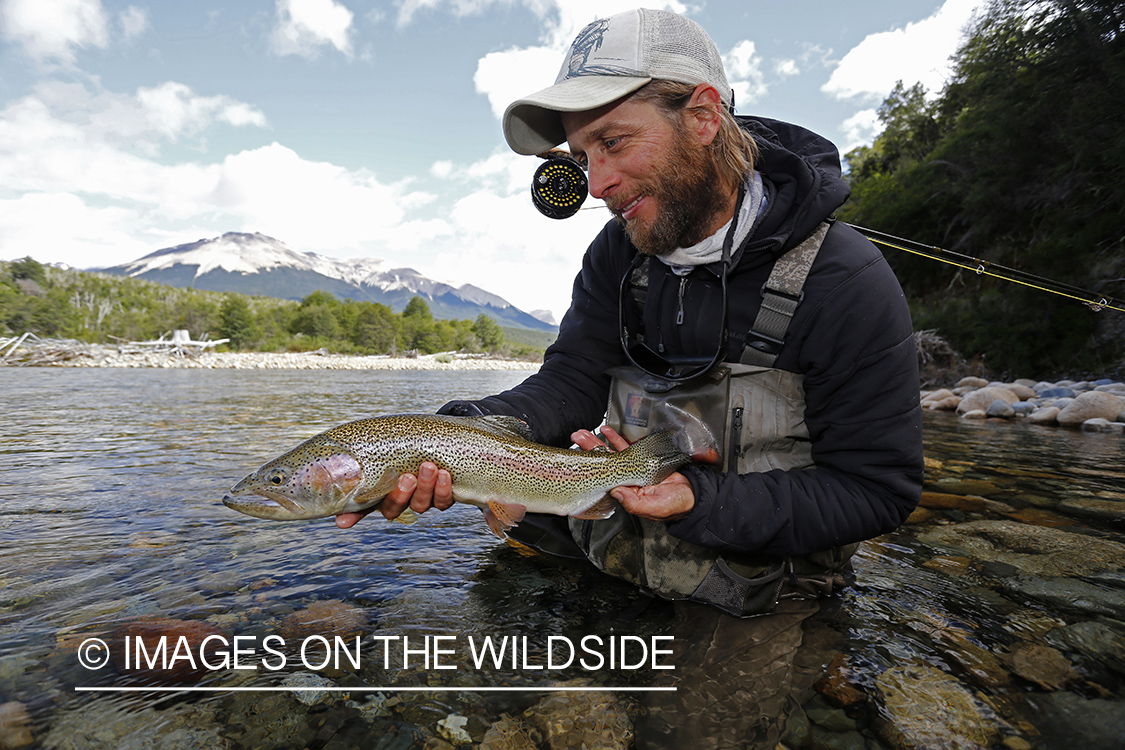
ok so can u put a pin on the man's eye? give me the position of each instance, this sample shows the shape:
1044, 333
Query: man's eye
611, 143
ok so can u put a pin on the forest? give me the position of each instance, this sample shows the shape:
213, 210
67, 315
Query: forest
1019, 161
101, 308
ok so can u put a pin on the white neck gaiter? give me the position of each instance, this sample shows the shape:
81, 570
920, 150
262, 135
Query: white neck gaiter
710, 250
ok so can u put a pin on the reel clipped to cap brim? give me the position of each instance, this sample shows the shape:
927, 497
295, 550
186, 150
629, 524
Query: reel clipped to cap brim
559, 186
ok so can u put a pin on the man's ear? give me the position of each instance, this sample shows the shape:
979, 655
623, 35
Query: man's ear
703, 113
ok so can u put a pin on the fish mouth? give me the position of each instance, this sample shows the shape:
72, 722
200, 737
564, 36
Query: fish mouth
276, 507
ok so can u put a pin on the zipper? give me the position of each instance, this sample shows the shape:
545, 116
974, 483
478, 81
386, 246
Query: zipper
735, 441
680, 302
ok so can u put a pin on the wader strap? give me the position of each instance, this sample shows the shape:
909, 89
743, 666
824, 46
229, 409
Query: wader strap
780, 296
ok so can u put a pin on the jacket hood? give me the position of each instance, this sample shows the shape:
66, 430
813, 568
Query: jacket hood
804, 182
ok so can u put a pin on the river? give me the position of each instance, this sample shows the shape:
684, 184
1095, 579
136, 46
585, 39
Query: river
994, 619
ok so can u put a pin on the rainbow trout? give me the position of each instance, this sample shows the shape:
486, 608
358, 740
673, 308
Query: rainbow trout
493, 463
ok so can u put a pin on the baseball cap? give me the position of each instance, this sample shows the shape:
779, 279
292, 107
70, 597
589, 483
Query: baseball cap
610, 58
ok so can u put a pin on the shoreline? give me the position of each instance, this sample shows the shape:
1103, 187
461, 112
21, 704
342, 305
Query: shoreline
95, 355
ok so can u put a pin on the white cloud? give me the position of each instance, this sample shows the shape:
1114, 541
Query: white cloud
304, 26
134, 21
744, 73
917, 53
786, 68
860, 129
52, 30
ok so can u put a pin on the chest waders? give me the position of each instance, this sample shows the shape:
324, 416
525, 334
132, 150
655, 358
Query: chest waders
756, 415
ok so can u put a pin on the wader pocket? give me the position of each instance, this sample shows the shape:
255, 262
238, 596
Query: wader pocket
739, 596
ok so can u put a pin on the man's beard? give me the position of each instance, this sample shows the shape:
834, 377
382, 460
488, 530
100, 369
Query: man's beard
688, 194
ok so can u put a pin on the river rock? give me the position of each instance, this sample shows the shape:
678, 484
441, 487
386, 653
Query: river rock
1023, 392
1098, 424
1000, 409
305, 687
1040, 664
982, 398
926, 708
15, 725
185, 645
938, 395
836, 684
1069, 594
1080, 723
1035, 550
1091, 405
325, 618
452, 728
509, 734
949, 501
112, 724
1046, 415
1102, 510
1093, 637
972, 382
575, 720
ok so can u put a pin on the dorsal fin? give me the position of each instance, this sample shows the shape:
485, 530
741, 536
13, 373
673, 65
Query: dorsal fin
498, 424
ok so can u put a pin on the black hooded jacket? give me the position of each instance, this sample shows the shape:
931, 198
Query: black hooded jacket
851, 338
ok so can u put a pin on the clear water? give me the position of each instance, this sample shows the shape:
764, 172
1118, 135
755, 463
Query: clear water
110, 488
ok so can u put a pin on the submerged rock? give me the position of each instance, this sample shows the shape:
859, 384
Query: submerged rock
1086, 724
1070, 594
307, 688
926, 708
15, 726
325, 618
571, 721
1041, 664
1034, 550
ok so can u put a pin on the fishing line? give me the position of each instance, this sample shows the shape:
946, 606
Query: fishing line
1094, 301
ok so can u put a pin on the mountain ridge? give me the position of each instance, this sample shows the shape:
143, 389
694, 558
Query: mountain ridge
254, 263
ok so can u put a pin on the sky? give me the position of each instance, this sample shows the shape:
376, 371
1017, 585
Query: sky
371, 128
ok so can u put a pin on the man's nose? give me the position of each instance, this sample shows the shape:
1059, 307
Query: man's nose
602, 179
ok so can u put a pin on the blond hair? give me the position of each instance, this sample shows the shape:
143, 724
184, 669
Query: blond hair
733, 149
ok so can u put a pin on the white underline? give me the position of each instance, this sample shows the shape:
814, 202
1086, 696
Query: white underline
293, 688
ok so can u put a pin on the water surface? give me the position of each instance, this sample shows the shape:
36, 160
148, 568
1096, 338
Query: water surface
110, 512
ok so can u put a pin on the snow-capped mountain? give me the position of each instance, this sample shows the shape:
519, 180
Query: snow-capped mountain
257, 264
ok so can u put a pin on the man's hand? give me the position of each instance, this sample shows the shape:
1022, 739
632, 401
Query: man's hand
670, 500
431, 488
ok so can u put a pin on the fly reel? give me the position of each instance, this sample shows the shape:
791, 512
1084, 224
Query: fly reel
559, 186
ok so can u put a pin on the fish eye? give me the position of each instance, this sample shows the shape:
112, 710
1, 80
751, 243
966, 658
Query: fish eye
276, 477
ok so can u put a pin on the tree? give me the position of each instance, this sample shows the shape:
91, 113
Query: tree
1020, 161
488, 333
375, 328
236, 322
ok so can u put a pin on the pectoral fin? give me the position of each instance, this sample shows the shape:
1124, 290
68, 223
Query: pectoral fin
603, 508
407, 516
503, 516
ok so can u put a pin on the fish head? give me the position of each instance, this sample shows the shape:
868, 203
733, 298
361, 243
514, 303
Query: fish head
316, 479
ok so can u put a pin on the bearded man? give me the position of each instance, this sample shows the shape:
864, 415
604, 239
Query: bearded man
723, 289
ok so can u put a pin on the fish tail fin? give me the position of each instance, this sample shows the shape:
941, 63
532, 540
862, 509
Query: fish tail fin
502, 516
691, 435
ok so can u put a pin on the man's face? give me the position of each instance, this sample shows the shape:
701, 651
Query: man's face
655, 176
